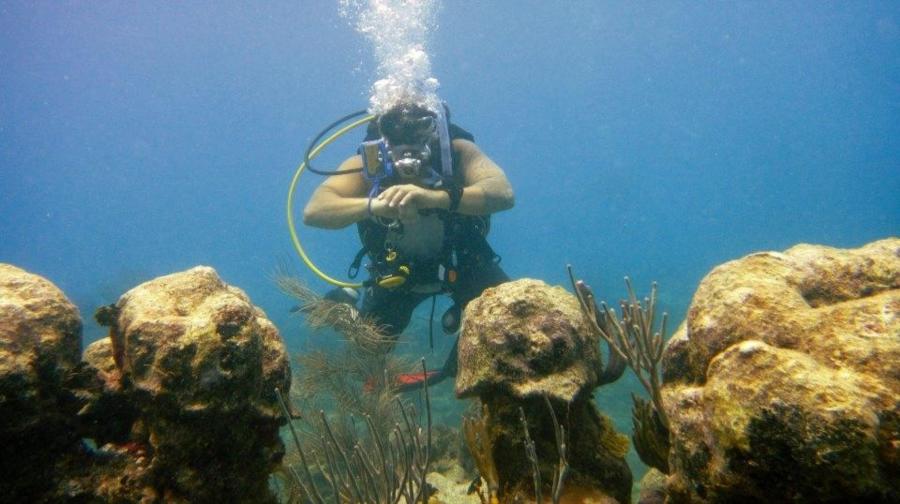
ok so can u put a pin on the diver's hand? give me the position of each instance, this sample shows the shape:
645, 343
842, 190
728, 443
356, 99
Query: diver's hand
408, 199
412, 198
380, 208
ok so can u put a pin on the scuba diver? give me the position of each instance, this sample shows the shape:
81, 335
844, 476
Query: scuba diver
421, 194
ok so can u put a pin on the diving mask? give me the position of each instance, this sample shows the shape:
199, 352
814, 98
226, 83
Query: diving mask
408, 135
404, 128
408, 141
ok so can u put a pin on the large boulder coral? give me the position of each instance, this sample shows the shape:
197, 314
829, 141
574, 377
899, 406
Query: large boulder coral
191, 341
40, 347
524, 344
200, 364
177, 405
530, 339
782, 383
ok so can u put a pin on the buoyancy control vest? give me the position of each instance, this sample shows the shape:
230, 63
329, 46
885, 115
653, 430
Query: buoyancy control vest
463, 250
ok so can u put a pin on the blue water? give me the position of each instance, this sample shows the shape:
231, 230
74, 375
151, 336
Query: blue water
653, 139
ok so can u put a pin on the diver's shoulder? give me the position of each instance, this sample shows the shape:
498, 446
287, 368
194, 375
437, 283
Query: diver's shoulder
462, 143
353, 162
466, 148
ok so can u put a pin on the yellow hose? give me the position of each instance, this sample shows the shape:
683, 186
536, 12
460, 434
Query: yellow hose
290, 203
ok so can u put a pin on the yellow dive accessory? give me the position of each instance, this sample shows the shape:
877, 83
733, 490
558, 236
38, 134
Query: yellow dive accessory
398, 277
312, 153
395, 280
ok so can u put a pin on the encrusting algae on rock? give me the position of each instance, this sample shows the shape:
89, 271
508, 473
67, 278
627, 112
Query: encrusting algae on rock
524, 344
40, 347
178, 405
780, 386
201, 365
782, 383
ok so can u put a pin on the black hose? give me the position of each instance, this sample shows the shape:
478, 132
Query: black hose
431, 324
324, 132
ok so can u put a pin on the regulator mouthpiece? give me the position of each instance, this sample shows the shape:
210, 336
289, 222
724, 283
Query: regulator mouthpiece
410, 161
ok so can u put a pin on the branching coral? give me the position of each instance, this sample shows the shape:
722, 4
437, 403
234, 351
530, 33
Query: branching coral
369, 468
531, 453
562, 466
386, 457
479, 443
633, 339
479, 440
359, 377
363, 332
651, 438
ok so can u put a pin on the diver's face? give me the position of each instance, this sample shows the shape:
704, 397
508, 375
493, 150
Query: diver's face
410, 150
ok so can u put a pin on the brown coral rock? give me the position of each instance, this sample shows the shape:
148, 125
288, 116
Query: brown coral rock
529, 339
201, 363
782, 384
653, 488
40, 345
37, 319
190, 339
108, 412
522, 341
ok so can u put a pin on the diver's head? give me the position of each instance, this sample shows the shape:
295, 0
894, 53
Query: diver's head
409, 130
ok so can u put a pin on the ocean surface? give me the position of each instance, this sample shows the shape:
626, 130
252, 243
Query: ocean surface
649, 139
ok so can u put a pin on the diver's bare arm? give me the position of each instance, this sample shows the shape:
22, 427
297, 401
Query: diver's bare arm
332, 211
487, 189
341, 200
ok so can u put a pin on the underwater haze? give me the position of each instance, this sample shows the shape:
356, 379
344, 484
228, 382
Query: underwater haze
649, 139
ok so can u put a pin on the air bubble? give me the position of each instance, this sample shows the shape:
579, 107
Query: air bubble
399, 32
